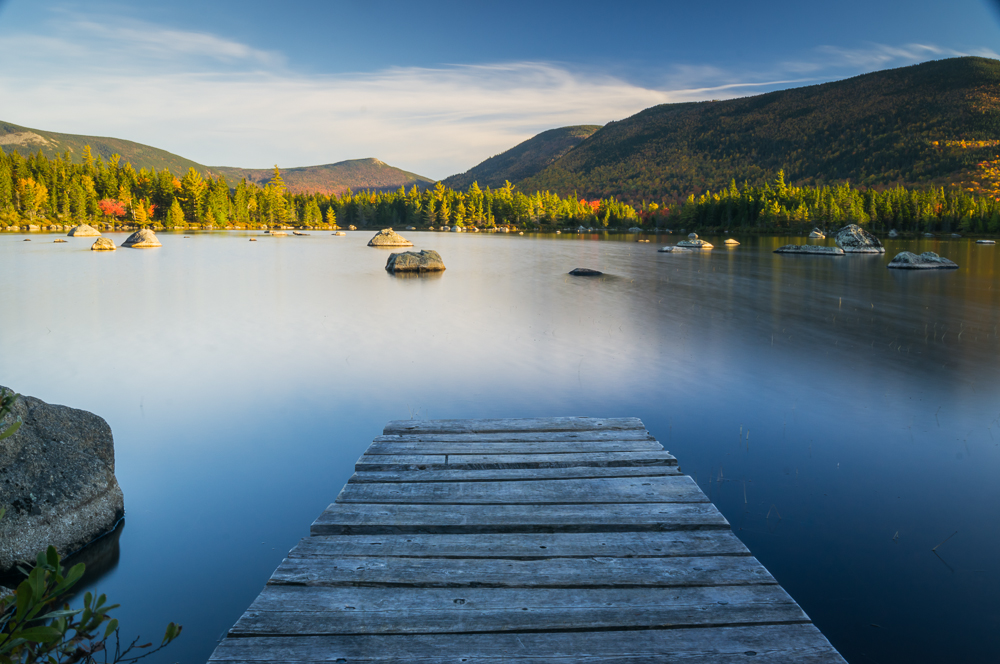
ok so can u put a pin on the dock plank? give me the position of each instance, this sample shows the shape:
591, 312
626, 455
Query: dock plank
518, 437
526, 545
604, 572
670, 489
513, 425
559, 447
358, 519
285, 610
771, 644
497, 461
510, 474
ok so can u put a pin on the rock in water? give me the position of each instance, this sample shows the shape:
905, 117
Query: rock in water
731, 242
84, 230
986, 242
855, 240
58, 481
674, 250
817, 234
103, 244
415, 261
142, 239
389, 238
809, 249
907, 260
893, 233
585, 272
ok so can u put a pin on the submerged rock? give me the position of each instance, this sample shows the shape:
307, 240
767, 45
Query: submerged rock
389, 238
425, 260
142, 239
675, 250
986, 242
855, 240
340, 233
278, 234
103, 244
809, 249
907, 260
731, 242
59, 483
585, 272
59, 240
299, 233
84, 230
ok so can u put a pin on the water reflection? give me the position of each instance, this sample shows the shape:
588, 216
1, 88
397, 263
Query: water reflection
825, 404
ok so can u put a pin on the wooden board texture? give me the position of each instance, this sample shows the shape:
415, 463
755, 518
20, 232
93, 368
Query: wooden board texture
522, 540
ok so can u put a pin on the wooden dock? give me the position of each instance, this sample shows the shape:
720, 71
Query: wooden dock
535, 540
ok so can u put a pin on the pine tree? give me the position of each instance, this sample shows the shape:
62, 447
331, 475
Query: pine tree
175, 217
331, 217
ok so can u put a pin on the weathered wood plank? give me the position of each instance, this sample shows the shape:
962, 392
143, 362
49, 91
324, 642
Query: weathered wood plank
510, 474
503, 425
771, 644
517, 437
591, 573
673, 489
288, 610
495, 461
567, 447
358, 519
525, 546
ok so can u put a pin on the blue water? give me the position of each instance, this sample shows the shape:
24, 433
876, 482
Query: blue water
844, 417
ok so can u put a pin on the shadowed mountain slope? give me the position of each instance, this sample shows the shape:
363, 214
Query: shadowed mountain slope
523, 160
335, 178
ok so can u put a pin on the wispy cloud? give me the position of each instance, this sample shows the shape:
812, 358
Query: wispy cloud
222, 102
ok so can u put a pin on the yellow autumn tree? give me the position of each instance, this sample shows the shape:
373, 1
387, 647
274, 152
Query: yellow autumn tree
31, 196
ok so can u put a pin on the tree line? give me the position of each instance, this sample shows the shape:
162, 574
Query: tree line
39, 190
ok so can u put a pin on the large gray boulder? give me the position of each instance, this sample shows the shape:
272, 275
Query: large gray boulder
84, 230
57, 481
415, 261
103, 244
389, 238
142, 239
855, 240
809, 249
907, 260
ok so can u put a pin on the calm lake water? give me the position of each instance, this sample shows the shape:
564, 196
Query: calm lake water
844, 417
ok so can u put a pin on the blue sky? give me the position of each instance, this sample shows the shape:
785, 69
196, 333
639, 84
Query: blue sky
432, 87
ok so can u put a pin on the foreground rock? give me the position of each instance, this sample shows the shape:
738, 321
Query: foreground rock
142, 239
415, 261
907, 260
585, 272
84, 230
103, 244
694, 243
389, 238
57, 481
809, 249
855, 240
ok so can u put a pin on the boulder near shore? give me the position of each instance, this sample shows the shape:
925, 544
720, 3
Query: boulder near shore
425, 260
907, 260
809, 249
142, 239
84, 230
103, 244
57, 481
389, 238
855, 240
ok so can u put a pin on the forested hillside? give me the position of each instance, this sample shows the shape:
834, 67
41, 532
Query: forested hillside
332, 178
523, 160
14, 138
924, 125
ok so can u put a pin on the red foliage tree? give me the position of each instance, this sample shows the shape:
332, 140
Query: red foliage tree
111, 208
